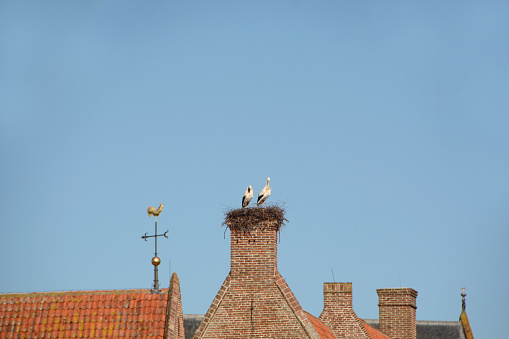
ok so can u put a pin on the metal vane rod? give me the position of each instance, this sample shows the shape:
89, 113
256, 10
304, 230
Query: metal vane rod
155, 260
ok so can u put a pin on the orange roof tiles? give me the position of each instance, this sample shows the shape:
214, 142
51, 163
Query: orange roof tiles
83, 314
323, 331
373, 332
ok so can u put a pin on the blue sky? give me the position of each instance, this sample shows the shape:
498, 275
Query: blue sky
383, 127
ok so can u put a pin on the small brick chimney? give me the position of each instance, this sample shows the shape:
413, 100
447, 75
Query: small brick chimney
397, 308
254, 300
338, 313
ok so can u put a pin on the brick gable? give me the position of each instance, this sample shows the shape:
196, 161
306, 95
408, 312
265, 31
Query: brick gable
175, 317
255, 301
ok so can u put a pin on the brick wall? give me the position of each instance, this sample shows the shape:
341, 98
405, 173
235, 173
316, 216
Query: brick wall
174, 316
397, 312
255, 301
254, 254
338, 313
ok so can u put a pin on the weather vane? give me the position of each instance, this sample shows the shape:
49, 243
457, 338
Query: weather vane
463, 295
151, 211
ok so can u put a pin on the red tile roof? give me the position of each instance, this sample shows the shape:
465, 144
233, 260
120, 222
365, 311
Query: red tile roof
373, 332
323, 331
83, 314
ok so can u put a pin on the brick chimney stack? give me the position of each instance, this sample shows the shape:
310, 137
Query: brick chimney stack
254, 300
397, 308
254, 253
338, 313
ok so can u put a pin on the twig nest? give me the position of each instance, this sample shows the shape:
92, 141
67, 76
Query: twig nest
251, 218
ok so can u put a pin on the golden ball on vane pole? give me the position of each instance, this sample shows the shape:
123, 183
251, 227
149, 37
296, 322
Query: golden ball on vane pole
156, 261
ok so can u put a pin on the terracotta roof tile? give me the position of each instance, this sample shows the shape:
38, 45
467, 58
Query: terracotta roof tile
373, 332
323, 331
79, 314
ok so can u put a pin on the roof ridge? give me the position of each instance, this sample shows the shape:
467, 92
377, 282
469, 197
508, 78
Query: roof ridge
77, 291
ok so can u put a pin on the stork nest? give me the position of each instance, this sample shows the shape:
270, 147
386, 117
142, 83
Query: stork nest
251, 218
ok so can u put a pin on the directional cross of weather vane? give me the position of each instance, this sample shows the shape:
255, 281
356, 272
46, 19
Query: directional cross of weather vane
151, 211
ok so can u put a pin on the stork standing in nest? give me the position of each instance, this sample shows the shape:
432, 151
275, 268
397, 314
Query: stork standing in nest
264, 194
248, 195
151, 211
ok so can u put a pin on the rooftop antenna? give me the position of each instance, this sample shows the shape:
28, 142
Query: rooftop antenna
155, 260
333, 279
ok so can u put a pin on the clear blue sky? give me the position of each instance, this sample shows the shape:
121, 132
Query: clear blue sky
383, 126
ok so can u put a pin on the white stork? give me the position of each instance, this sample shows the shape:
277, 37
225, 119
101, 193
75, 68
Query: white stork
264, 194
248, 195
151, 211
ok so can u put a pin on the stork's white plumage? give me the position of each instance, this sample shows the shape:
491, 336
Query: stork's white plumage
151, 211
248, 195
264, 194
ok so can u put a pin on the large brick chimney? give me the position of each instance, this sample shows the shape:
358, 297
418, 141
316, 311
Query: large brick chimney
397, 308
255, 301
254, 253
338, 313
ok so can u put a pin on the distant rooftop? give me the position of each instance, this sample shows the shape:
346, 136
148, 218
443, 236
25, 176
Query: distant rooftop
425, 329
433, 329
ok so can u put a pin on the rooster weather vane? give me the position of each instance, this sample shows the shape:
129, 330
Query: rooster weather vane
151, 211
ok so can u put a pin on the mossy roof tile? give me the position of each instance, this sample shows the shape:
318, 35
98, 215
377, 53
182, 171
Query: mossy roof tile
80, 314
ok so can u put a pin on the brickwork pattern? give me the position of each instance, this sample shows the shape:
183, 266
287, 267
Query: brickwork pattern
213, 308
255, 301
297, 310
338, 313
397, 312
174, 316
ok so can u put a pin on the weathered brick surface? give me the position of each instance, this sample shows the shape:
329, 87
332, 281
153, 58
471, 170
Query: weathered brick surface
255, 301
338, 313
297, 310
213, 308
174, 316
397, 312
